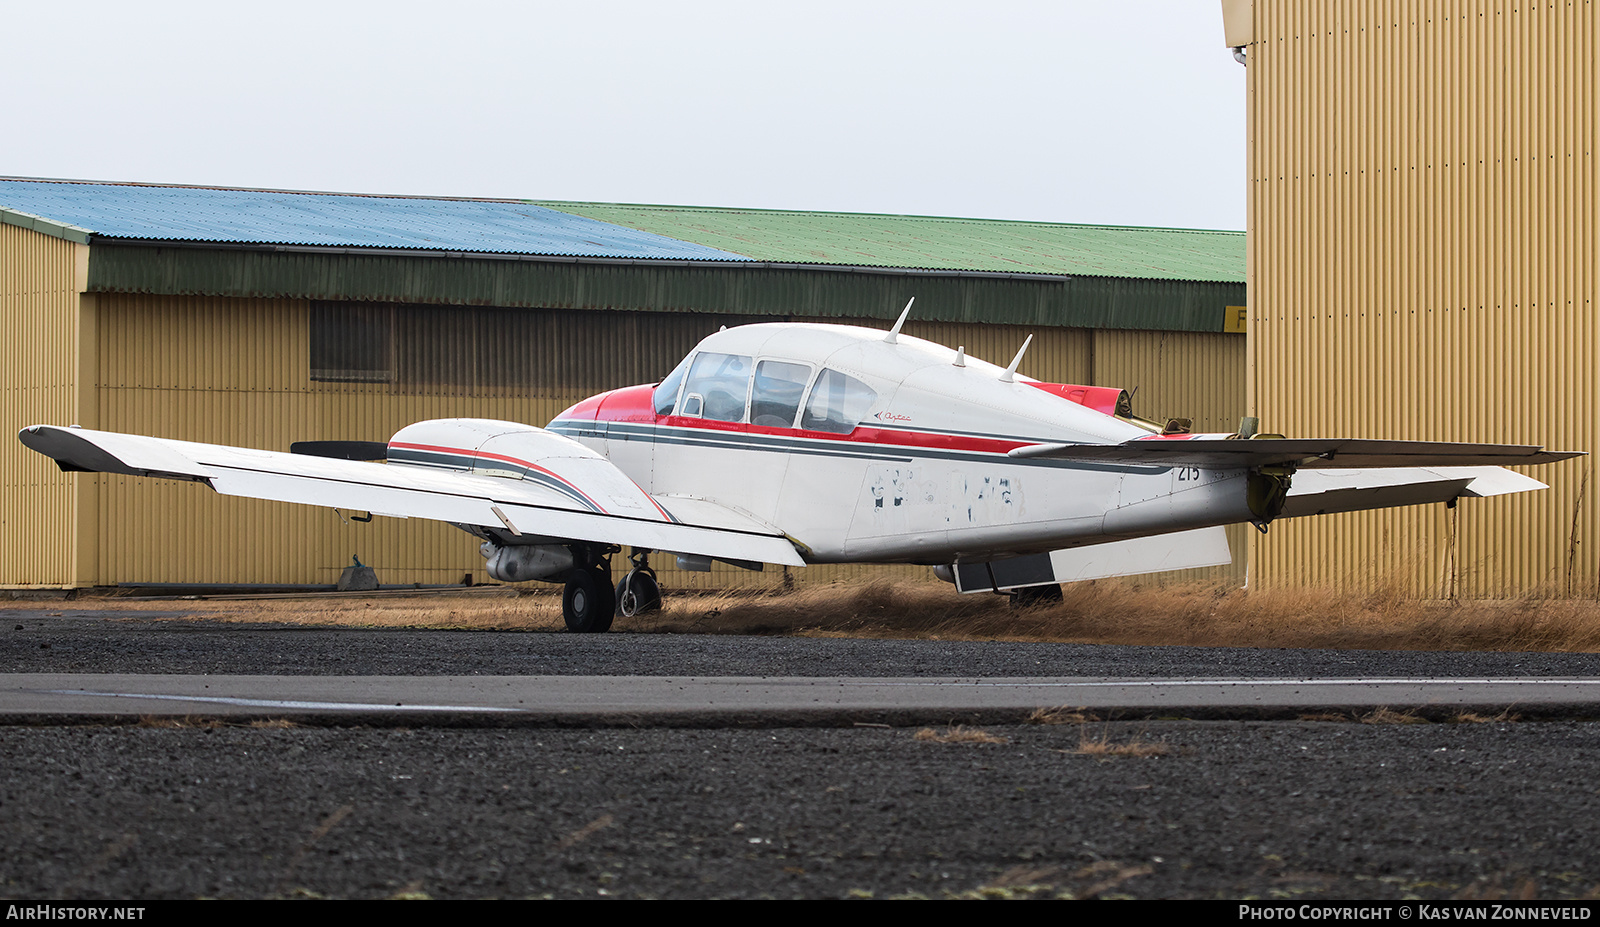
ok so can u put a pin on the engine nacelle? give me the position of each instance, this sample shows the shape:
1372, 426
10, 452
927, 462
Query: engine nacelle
525, 562
579, 478
484, 447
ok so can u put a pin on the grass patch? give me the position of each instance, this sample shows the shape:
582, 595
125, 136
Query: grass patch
212, 724
1103, 746
186, 722
1100, 612
1385, 715
1470, 717
959, 735
1122, 612
1062, 715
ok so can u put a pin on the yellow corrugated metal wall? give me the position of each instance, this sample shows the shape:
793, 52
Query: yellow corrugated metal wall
237, 371
1422, 218
41, 278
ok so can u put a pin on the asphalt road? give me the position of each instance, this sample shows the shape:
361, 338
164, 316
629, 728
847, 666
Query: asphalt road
1297, 809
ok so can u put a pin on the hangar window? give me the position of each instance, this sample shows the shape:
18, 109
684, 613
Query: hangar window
352, 342
838, 403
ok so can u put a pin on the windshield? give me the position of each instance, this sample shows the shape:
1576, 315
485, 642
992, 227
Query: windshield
666, 395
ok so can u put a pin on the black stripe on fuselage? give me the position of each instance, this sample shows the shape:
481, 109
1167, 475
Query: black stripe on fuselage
894, 453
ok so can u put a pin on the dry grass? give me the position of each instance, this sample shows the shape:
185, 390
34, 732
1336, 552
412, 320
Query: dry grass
1103, 746
184, 722
959, 735
1386, 715
1118, 612
215, 724
1062, 715
1469, 717
1389, 716
1104, 612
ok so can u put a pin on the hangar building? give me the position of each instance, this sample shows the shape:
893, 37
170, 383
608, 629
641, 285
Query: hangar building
261, 318
1425, 264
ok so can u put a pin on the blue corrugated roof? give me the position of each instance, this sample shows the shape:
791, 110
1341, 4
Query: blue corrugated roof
267, 217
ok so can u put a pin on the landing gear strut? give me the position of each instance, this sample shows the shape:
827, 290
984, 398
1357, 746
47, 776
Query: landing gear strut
588, 602
639, 591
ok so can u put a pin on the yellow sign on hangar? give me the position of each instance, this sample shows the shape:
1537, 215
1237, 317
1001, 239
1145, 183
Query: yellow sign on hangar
1234, 318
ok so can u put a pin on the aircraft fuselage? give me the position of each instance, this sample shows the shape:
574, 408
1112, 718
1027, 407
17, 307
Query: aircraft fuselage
868, 451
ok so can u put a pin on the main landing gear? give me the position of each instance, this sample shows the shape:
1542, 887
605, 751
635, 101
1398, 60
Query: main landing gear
589, 601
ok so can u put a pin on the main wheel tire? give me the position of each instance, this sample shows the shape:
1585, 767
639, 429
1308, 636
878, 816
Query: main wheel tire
1036, 596
637, 593
588, 602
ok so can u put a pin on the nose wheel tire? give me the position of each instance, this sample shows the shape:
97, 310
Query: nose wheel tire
588, 602
637, 593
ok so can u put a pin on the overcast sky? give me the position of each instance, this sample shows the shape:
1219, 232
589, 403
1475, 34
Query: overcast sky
1128, 112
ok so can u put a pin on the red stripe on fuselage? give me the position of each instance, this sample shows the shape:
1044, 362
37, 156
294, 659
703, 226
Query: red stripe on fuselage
863, 434
636, 405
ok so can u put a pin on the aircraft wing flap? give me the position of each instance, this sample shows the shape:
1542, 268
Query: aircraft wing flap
1323, 453
711, 514
527, 507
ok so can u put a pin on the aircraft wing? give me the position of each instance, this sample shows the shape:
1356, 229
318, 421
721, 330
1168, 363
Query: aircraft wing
1322, 453
580, 497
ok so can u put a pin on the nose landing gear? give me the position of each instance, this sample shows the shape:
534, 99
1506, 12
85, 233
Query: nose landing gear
638, 591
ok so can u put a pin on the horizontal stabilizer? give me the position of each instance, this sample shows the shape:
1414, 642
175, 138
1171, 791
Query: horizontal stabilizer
1324, 492
1322, 453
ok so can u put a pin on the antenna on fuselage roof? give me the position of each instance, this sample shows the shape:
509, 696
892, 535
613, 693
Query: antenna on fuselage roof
1011, 372
961, 357
894, 333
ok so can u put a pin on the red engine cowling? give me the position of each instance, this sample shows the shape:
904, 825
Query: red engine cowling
1107, 400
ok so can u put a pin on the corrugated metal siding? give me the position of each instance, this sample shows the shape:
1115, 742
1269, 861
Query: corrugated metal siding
934, 242
237, 371
39, 335
1423, 221
167, 213
1081, 302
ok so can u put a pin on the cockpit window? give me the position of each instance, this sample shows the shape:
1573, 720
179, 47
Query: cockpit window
666, 395
778, 388
838, 403
722, 381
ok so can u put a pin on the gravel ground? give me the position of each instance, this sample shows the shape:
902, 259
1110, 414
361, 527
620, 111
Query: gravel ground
1292, 810
1300, 810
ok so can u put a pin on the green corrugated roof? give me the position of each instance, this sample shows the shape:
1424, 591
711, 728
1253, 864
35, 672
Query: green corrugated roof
992, 245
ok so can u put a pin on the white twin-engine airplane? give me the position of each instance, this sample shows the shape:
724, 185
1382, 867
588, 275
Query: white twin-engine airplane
792, 443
